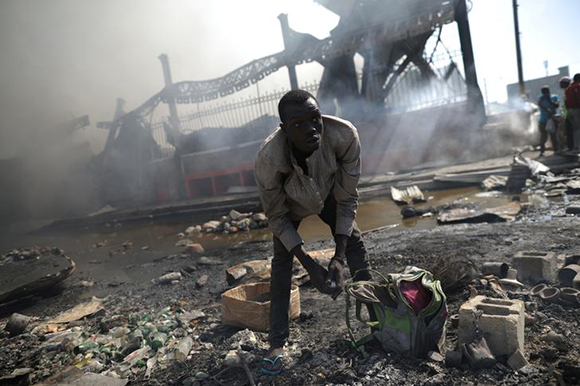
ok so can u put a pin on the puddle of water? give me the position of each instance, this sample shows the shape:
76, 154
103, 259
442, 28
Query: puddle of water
384, 211
161, 237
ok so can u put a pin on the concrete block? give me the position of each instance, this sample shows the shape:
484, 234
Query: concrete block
534, 266
501, 322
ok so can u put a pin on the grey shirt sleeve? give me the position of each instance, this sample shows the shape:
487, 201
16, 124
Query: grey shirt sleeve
345, 186
271, 186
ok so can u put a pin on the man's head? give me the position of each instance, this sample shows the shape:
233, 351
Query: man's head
577, 78
301, 120
545, 91
565, 82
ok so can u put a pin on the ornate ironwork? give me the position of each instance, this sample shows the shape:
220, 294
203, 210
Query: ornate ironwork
391, 29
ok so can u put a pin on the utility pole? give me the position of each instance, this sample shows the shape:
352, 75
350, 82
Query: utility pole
518, 49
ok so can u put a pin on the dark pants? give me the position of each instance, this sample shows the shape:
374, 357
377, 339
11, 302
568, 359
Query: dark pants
544, 137
281, 279
569, 134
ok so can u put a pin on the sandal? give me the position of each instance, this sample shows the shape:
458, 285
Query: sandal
276, 370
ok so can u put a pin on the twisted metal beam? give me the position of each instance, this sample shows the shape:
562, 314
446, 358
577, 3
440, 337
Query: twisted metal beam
425, 19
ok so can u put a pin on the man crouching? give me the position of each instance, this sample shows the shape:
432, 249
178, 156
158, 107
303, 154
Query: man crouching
309, 165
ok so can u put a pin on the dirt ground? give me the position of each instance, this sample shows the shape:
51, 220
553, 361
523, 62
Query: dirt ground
319, 350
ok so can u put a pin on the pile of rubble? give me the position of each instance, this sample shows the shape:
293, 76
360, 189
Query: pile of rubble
491, 328
517, 327
118, 346
530, 178
535, 179
232, 223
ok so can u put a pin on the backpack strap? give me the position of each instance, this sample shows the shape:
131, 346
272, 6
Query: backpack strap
358, 344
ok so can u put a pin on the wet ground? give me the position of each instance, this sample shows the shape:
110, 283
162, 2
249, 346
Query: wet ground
101, 255
318, 351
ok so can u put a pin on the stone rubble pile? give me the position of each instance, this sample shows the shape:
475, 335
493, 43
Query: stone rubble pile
232, 223
492, 329
119, 346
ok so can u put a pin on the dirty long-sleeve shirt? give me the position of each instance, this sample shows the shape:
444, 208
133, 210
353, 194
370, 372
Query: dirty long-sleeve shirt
288, 194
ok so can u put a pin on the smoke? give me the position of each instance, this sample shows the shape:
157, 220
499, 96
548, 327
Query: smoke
67, 58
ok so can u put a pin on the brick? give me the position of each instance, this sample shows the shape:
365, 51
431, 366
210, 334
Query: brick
501, 322
536, 266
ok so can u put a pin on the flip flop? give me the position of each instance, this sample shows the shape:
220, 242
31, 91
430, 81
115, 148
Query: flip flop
276, 371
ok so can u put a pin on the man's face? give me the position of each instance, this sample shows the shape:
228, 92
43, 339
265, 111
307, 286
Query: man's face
303, 125
546, 93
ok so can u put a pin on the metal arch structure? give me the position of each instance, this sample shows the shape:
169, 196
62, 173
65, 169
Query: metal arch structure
304, 48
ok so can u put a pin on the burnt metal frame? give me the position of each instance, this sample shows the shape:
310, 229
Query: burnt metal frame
389, 30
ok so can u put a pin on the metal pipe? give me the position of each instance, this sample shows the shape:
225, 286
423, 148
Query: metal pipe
498, 269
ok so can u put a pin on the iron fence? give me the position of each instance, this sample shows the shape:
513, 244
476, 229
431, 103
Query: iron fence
411, 92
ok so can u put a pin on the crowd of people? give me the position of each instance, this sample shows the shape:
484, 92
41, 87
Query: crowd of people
560, 122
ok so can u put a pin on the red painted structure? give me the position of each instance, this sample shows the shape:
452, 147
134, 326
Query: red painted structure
213, 172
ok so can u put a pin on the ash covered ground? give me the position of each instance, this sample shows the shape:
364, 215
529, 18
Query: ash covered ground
319, 350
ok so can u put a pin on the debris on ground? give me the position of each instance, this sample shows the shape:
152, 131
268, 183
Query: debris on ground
232, 223
17, 324
498, 214
406, 196
493, 183
168, 278
32, 272
78, 312
140, 342
173, 334
260, 270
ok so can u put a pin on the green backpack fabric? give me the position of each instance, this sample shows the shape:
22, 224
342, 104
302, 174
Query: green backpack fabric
400, 328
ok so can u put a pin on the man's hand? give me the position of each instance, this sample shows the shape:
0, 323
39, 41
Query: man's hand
335, 277
317, 273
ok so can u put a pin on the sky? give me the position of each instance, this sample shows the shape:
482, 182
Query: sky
65, 58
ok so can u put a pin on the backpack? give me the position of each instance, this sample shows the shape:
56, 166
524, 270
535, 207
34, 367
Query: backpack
410, 308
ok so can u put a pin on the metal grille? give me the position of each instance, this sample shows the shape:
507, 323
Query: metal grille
233, 113
411, 92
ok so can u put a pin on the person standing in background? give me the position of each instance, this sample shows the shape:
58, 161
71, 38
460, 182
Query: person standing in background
565, 132
573, 107
548, 109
